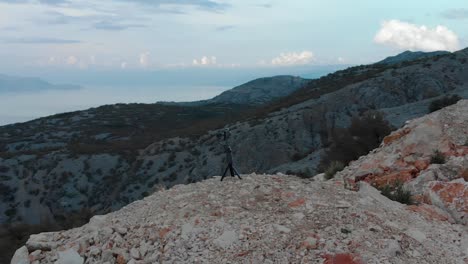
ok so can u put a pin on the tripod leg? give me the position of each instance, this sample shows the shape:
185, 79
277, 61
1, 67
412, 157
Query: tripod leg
231, 169
237, 173
224, 174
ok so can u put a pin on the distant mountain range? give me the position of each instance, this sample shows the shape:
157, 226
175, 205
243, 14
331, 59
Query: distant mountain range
26, 84
411, 55
256, 92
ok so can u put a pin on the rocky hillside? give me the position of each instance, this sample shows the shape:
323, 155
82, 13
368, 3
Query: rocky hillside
260, 219
429, 156
104, 158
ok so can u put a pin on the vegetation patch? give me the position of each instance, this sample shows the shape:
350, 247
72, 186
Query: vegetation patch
437, 157
443, 102
397, 193
347, 144
333, 168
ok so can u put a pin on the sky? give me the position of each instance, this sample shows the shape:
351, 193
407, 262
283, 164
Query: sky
44, 36
123, 51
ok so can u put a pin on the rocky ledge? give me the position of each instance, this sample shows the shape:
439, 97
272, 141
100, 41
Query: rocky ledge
260, 219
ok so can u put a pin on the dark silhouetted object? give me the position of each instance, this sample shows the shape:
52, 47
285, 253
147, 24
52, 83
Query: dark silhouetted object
230, 165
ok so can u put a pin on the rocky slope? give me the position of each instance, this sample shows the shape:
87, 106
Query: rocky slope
429, 155
52, 167
260, 219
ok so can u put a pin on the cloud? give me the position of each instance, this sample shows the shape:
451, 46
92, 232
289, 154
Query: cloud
225, 28
145, 59
409, 36
293, 58
72, 60
456, 13
205, 61
41, 40
207, 5
112, 26
47, 2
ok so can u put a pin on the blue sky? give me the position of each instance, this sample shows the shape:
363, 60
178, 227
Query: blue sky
41, 36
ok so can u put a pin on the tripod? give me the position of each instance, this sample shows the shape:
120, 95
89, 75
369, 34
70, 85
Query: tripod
230, 165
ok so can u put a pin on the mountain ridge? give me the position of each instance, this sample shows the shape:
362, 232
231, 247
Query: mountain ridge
411, 55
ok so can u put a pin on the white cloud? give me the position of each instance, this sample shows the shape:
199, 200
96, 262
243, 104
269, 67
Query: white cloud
409, 36
123, 65
145, 59
293, 58
72, 60
205, 61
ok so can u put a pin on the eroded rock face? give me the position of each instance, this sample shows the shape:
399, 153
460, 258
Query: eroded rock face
260, 219
406, 154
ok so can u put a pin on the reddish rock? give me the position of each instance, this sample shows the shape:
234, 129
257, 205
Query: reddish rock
429, 212
396, 135
421, 164
297, 203
120, 259
391, 179
452, 197
243, 253
343, 258
464, 174
163, 232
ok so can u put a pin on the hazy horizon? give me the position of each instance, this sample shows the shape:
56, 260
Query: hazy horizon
100, 88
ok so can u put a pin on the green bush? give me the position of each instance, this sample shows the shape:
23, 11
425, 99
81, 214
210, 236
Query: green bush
397, 193
437, 157
333, 168
443, 102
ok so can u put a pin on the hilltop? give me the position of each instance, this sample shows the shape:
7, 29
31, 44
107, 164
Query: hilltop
260, 219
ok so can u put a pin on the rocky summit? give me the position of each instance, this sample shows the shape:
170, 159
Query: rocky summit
259, 219
429, 155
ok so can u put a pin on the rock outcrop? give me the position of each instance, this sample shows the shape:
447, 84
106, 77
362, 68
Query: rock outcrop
411, 155
260, 219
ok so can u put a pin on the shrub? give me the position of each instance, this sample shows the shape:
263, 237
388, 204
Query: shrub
172, 157
333, 168
437, 157
305, 174
397, 193
363, 135
4, 169
443, 102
